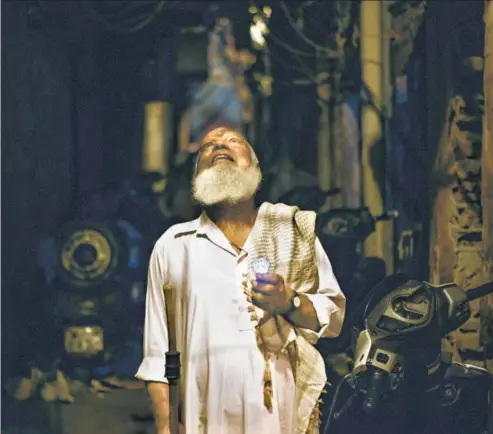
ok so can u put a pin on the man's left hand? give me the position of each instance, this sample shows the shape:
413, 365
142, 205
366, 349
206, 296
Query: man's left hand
271, 294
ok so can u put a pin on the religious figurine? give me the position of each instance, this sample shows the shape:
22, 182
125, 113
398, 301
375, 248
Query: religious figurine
224, 99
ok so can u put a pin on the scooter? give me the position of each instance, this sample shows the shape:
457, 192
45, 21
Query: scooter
342, 233
95, 270
401, 382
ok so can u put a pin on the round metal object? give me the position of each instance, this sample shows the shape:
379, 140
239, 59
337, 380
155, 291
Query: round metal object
86, 254
450, 395
90, 254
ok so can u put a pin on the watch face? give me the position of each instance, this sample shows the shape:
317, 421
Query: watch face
296, 301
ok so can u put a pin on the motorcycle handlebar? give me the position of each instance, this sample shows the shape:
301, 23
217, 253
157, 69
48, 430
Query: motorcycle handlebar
332, 192
387, 215
480, 291
373, 393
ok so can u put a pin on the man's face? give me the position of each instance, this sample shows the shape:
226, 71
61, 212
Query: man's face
227, 170
224, 146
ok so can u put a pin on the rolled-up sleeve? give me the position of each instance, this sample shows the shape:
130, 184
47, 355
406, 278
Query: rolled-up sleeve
329, 301
156, 341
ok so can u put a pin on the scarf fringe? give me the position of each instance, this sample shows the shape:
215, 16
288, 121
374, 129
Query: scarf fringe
268, 393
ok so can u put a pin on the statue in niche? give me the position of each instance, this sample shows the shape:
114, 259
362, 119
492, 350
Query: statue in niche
224, 98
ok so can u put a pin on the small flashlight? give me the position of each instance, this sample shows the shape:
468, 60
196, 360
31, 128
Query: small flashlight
261, 266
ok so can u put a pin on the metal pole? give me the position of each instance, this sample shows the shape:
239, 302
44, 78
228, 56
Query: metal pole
324, 136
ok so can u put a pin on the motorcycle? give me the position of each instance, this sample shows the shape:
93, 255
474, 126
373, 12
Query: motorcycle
401, 382
95, 268
342, 233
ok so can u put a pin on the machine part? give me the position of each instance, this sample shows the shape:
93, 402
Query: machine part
89, 254
450, 395
410, 307
373, 392
396, 377
360, 300
353, 224
404, 324
362, 352
86, 254
84, 341
307, 197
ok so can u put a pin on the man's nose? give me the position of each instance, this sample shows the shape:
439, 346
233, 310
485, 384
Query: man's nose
220, 147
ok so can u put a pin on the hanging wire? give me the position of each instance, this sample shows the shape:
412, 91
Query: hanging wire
120, 27
328, 52
313, 79
288, 47
125, 10
303, 68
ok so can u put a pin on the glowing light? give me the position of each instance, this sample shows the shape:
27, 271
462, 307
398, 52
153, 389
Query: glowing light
258, 31
261, 265
267, 11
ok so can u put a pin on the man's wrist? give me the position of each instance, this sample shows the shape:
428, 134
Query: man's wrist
294, 304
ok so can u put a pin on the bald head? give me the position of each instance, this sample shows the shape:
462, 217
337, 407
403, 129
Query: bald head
223, 145
227, 169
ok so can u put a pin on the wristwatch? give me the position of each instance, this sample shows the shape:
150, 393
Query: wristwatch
294, 304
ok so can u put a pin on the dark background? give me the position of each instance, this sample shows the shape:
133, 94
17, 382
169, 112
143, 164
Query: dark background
73, 93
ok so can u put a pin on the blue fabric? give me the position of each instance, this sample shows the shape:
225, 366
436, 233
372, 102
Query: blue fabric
217, 103
214, 104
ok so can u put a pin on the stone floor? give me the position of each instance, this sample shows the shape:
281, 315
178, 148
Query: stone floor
118, 412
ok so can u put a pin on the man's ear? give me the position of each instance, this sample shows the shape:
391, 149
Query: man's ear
196, 163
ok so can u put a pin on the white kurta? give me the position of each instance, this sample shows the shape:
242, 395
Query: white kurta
223, 367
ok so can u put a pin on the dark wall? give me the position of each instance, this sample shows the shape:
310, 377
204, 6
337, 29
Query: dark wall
37, 157
120, 58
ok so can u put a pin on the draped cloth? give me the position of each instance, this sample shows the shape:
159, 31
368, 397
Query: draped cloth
286, 237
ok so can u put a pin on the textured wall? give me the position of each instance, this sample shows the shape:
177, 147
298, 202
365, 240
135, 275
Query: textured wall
488, 137
487, 181
457, 225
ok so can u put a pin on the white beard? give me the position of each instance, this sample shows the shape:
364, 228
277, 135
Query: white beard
226, 184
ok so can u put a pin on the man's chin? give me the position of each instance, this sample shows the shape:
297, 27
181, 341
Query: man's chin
219, 201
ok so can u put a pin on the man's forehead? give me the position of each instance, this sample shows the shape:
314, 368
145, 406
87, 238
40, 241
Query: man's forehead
221, 132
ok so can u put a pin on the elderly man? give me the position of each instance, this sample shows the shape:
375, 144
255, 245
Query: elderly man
255, 291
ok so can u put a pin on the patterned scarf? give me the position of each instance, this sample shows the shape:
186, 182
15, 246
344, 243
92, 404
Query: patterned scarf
286, 237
